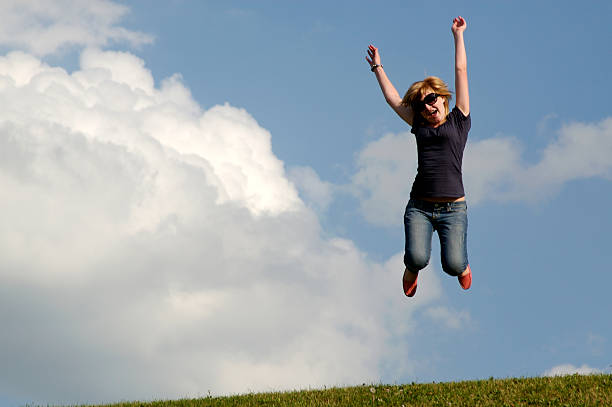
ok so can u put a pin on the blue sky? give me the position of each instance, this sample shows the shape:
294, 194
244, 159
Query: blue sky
265, 184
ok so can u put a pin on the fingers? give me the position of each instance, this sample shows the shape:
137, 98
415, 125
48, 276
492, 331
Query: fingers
459, 21
373, 55
459, 25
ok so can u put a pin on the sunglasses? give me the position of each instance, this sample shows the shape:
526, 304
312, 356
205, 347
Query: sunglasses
430, 99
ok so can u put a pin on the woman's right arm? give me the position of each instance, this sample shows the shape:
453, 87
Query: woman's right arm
391, 96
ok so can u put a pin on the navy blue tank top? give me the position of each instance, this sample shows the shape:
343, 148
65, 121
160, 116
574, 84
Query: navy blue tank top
440, 157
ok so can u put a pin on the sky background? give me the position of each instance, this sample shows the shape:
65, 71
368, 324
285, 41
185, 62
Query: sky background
205, 196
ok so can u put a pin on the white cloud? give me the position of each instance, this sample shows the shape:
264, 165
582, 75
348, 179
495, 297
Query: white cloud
386, 169
582, 150
150, 249
316, 192
493, 168
43, 27
568, 369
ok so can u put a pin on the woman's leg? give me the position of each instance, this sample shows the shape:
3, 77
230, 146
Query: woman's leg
418, 232
452, 226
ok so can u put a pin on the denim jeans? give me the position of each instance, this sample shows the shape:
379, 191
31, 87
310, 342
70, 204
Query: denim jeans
450, 221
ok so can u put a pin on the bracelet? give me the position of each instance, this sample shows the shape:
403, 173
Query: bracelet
374, 67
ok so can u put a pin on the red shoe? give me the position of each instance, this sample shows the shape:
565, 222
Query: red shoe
410, 290
466, 280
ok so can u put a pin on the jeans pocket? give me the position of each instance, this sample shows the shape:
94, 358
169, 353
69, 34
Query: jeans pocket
461, 208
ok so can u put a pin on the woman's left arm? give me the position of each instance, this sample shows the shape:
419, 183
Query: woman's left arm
461, 78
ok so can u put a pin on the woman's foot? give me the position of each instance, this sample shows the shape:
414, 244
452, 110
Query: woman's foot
465, 279
410, 283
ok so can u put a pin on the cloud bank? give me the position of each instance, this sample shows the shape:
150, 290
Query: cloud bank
569, 369
151, 249
493, 168
44, 27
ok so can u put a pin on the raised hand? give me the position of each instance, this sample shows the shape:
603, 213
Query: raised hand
459, 25
461, 77
374, 56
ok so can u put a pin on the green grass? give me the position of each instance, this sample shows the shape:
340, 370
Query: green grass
576, 390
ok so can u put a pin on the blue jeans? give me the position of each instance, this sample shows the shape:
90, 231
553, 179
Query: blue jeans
449, 219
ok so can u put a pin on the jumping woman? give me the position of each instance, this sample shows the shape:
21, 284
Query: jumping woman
437, 200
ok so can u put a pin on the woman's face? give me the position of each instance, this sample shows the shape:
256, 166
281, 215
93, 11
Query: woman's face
434, 112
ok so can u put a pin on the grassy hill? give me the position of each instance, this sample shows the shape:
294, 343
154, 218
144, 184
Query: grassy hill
576, 390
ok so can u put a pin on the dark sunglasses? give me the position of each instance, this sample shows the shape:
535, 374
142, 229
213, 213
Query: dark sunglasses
430, 99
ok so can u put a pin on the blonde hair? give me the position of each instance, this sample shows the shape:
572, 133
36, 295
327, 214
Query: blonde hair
420, 89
